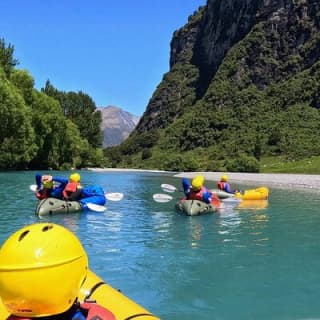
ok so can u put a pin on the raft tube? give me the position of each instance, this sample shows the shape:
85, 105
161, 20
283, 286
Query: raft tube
94, 288
222, 194
261, 193
194, 207
51, 206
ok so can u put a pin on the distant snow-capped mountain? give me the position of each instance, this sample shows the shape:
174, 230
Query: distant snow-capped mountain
116, 125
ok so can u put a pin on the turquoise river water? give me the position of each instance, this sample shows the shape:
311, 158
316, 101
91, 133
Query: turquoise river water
238, 264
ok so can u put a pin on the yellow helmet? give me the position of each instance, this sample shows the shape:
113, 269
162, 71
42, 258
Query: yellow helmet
48, 184
75, 177
47, 181
197, 182
224, 178
42, 267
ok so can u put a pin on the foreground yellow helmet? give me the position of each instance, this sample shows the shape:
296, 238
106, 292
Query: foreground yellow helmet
75, 177
42, 267
197, 182
224, 178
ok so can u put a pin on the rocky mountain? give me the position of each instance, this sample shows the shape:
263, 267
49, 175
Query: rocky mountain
243, 83
117, 125
274, 39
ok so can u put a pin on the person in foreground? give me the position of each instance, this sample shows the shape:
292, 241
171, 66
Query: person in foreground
224, 185
197, 191
42, 268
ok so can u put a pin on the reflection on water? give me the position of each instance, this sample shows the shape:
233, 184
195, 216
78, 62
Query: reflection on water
196, 231
215, 266
253, 204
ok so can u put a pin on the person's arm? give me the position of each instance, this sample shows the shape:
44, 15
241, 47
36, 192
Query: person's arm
186, 186
64, 194
38, 180
227, 188
61, 181
207, 196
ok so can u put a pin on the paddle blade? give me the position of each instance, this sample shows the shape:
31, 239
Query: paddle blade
96, 207
168, 187
114, 196
33, 187
160, 197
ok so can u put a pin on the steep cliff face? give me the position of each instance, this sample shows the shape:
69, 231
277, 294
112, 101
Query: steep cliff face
244, 83
177, 89
224, 24
285, 42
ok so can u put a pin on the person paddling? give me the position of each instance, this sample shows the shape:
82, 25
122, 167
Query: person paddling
72, 190
225, 186
197, 191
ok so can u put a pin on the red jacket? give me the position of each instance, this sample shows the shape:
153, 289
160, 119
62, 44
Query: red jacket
197, 195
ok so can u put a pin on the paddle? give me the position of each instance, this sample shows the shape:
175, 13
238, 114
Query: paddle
168, 188
33, 187
112, 196
96, 207
160, 197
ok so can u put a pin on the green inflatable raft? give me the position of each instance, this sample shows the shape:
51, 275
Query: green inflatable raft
51, 206
194, 207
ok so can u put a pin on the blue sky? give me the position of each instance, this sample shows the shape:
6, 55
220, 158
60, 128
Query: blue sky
115, 51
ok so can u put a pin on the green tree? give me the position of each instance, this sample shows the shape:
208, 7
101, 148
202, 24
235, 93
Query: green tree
7, 61
25, 83
50, 126
17, 137
81, 110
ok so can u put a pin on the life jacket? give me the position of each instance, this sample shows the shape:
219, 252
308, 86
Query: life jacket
70, 188
197, 195
221, 185
86, 311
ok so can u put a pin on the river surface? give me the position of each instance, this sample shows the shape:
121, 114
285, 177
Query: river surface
248, 263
